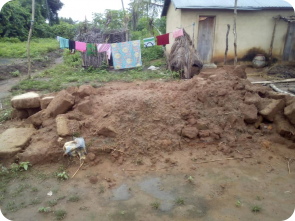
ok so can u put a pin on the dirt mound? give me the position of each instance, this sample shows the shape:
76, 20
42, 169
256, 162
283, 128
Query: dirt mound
217, 111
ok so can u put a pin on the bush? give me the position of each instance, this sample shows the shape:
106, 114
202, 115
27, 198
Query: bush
72, 60
151, 53
10, 40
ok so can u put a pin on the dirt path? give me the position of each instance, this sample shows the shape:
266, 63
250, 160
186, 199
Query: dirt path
6, 85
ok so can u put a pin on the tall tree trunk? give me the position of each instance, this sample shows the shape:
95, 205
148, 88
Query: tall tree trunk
29, 38
125, 22
235, 33
226, 48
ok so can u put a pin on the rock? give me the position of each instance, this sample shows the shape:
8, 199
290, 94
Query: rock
32, 111
38, 118
19, 114
85, 107
45, 101
61, 103
222, 92
107, 132
190, 132
85, 90
289, 111
276, 95
236, 70
292, 146
13, 140
25, 101
202, 124
204, 133
272, 109
284, 128
62, 126
72, 90
251, 98
93, 179
249, 112
91, 156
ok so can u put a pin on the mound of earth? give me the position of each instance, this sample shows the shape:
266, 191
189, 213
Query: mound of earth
217, 110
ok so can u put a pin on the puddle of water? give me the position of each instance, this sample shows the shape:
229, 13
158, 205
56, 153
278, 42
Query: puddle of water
151, 186
121, 193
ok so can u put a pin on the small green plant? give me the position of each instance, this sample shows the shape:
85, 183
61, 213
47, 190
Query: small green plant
138, 162
11, 206
123, 212
34, 189
256, 209
15, 73
74, 198
5, 115
258, 198
35, 201
190, 179
22, 166
76, 134
62, 176
238, 203
52, 203
44, 210
101, 189
179, 201
60, 214
155, 205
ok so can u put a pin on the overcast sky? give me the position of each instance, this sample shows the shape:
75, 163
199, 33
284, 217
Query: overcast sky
77, 10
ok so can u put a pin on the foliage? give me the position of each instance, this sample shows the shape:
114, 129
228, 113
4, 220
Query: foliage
109, 20
21, 166
15, 73
155, 205
60, 214
5, 115
256, 209
44, 210
62, 176
64, 29
67, 20
179, 201
74, 198
72, 60
238, 203
19, 50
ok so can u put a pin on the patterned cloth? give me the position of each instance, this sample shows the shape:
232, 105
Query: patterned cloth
149, 42
91, 49
81, 46
76, 147
178, 33
104, 48
127, 54
63, 42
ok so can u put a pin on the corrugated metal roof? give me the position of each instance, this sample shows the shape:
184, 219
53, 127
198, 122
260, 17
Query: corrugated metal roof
227, 4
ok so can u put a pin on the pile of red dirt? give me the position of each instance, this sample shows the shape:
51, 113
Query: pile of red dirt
218, 110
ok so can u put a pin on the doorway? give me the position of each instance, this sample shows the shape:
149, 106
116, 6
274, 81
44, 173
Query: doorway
206, 38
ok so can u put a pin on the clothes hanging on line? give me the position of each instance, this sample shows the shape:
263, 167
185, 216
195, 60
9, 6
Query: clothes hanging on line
178, 33
126, 54
149, 42
91, 49
104, 48
81, 46
57, 38
63, 42
163, 39
72, 46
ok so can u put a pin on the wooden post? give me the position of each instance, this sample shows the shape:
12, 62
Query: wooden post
226, 48
235, 33
272, 39
29, 38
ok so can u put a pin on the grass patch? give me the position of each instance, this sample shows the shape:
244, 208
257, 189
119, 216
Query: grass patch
35, 201
38, 47
256, 209
179, 201
19, 190
34, 189
60, 214
74, 198
52, 203
11, 206
155, 205
44, 210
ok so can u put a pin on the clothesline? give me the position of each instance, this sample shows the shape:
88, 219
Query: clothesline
181, 28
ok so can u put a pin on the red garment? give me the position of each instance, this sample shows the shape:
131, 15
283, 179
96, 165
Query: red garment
163, 39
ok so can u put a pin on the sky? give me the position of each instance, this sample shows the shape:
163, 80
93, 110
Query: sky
77, 10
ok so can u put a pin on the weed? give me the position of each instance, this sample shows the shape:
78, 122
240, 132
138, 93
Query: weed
15, 73
5, 115
62, 176
101, 189
258, 198
179, 201
256, 209
238, 203
52, 203
74, 198
19, 190
2, 197
11, 206
155, 205
190, 179
61, 198
22, 166
34, 189
44, 210
76, 134
139, 162
122, 212
60, 214
83, 208
35, 201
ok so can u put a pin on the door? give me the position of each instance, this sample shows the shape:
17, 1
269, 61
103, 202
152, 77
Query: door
289, 51
206, 38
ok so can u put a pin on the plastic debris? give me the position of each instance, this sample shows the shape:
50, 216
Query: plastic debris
153, 68
49, 193
76, 147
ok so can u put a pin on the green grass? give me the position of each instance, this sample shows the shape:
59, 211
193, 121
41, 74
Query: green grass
38, 47
52, 203
60, 214
179, 201
256, 209
155, 205
74, 198
35, 201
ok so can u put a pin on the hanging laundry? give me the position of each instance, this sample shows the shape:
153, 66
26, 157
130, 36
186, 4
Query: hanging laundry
57, 38
91, 49
149, 42
178, 33
72, 46
63, 42
126, 54
81, 46
163, 39
104, 48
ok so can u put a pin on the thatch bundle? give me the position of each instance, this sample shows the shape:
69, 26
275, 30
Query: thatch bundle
96, 35
184, 58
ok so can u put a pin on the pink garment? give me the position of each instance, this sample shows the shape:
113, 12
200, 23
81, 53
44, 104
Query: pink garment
178, 33
105, 48
81, 46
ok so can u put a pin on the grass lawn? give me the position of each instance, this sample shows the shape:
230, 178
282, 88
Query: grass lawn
40, 46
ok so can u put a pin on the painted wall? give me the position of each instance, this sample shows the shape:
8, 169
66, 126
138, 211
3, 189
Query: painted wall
254, 29
174, 18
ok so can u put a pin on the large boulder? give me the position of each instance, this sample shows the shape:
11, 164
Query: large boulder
289, 111
14, 140
85, 90
38, 118
272, 109
284, 128
190, 132
19, 114
25, 101
249, 112
45, 101
61, 103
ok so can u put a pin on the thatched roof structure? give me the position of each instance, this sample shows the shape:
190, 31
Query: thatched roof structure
184, 58
96, 35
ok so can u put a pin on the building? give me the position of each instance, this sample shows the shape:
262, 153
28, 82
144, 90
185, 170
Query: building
255, 25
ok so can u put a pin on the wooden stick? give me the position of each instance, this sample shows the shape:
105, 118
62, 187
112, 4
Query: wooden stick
223, 159
78, 170
272, 39
29, 39
235, 33
226, 48
118, 150
274, 81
